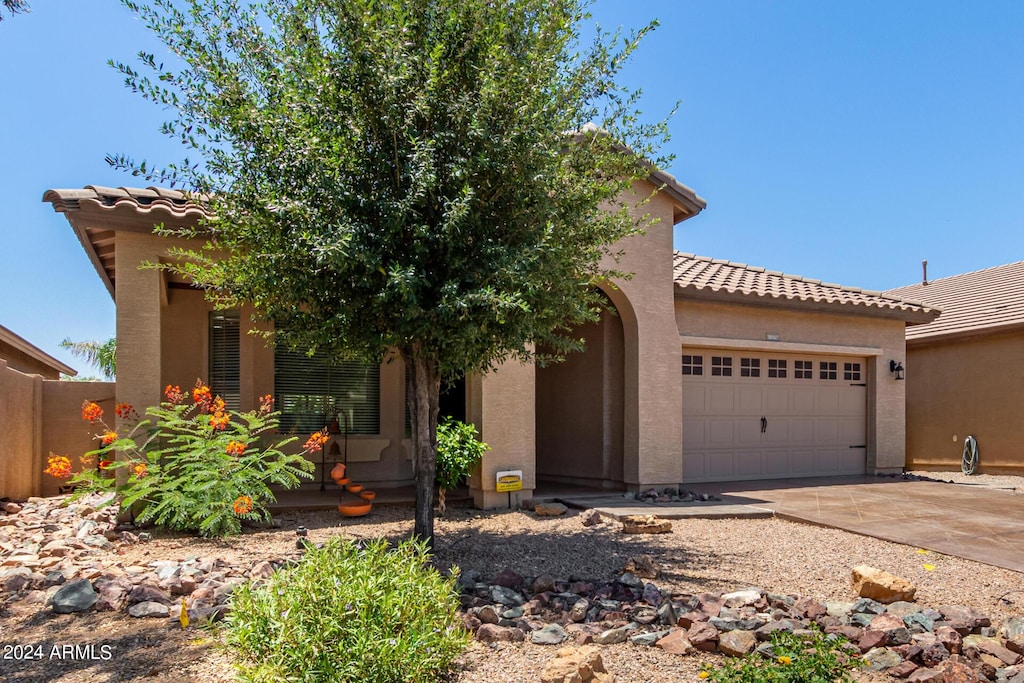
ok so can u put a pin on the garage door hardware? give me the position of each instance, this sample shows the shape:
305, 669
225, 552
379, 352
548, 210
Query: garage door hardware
764, 424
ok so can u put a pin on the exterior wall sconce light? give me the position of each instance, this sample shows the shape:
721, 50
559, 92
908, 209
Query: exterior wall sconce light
896, 368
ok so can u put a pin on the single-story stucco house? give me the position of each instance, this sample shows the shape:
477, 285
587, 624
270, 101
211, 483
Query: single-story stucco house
965, 371
708, 370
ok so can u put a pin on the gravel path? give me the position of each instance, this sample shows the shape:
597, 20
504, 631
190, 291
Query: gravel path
697, 556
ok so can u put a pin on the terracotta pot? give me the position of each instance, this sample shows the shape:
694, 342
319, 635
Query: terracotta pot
338, 472
354, 488
342, 481
367, 495
355, 509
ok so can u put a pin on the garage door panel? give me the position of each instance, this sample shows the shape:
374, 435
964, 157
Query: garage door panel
777, 400
693, 399
694, 434
721, 433
749, 400
811, 422
721, 400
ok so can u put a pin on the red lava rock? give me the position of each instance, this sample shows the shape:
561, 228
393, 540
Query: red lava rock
492, 633
871, 639
903, 669
954, 671
688, 619
934, 654
508, 579
925, 676
710, 604
950, 639
809, 608
470, 623
850, 632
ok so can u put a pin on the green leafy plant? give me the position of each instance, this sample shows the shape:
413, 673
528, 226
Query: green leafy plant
458, 452
191, 466
796, 658
349, 613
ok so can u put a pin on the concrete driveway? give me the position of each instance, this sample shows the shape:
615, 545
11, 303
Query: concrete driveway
973, 522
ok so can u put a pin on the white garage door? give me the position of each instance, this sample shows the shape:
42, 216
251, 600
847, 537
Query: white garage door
755, 415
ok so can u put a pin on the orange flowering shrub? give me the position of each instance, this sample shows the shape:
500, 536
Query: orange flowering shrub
173, 394
190, 466
243, 505
91, 412
58, 466
315, 442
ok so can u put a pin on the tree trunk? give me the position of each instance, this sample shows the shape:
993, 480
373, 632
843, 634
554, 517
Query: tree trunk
425, 379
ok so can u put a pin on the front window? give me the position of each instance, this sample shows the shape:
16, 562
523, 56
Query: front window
312, 391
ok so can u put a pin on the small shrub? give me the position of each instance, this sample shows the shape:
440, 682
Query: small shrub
345, 613
814, 658
458, 452
191, 465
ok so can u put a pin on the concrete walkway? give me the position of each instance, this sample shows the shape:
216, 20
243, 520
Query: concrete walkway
976, 523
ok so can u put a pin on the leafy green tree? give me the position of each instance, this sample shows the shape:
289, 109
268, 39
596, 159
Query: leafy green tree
439, 179
14, 7
102, 355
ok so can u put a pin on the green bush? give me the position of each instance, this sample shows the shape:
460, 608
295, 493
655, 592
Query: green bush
813, 658
458, 452
345, 613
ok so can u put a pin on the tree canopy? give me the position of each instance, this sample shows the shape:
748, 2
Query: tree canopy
14, 7
440, 178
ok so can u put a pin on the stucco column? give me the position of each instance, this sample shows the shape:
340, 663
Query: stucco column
887, 427
501, 405
138, 296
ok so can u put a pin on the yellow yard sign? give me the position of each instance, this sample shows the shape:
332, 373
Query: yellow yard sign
509, 480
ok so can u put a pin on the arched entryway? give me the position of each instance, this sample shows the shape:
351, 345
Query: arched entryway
580, 409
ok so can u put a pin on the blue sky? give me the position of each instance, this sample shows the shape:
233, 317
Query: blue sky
845, 141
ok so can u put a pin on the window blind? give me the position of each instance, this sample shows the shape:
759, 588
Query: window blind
225, 365
313, 390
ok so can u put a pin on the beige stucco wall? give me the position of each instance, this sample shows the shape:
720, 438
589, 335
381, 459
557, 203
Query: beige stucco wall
501, 404
966, 387
41, 416
64, 431
877, 339
652, 404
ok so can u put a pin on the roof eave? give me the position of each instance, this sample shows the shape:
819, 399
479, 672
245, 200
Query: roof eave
962, 334
910, 317
33, 351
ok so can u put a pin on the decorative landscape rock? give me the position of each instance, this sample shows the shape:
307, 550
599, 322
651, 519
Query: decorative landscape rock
552, 634
645, 524
643, 566
576, 665
549, 509
148, 609
881, 586
591, 518
77, 596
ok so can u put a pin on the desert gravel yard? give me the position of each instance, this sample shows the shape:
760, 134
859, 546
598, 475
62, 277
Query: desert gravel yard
698, 556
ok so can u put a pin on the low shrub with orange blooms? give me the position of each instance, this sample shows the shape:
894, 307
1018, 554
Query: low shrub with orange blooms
58, 466
243, 505
91, 411
173, 394
187, 461
315, 442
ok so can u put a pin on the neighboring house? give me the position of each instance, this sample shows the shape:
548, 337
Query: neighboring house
24, 357
965, 371
811, 359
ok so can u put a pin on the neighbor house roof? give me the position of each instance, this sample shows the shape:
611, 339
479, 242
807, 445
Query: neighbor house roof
95, 212
700, 277
9, 339
983, 301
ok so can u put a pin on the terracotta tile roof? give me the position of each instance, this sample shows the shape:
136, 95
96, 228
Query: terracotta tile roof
96, 212
989, 300
715, 279
141, 200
